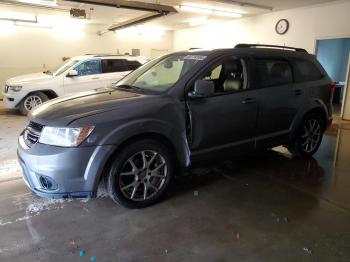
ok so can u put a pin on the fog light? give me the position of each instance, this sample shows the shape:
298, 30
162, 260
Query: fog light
48, 183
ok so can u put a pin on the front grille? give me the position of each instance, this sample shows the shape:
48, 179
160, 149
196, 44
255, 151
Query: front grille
32, 133
36, 126
6, 88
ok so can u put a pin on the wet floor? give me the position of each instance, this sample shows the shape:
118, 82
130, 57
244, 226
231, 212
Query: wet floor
267, 207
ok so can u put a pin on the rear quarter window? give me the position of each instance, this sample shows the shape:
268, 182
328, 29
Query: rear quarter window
305, 70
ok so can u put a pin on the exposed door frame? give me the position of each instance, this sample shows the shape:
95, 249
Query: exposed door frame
346, 95
347, 83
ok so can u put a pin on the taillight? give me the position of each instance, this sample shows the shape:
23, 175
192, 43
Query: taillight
333, 85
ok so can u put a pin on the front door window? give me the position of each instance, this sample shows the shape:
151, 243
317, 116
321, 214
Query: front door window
91, 67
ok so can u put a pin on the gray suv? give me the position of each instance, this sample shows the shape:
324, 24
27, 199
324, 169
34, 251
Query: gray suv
171, 112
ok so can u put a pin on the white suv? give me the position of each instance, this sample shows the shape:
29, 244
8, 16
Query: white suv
77, 74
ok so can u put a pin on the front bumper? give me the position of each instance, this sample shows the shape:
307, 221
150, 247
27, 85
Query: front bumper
59, 172
9, 100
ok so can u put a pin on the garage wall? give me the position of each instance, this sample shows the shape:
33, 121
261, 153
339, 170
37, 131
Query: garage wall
29, 50
306, 25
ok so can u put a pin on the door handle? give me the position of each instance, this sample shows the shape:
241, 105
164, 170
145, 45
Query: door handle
249, 101
298, 92
95, 78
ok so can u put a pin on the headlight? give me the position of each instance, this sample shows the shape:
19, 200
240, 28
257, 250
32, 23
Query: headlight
15, 88
64, 136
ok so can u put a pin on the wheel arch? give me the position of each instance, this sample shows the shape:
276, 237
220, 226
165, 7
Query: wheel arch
48, 92
180, 157
316, 109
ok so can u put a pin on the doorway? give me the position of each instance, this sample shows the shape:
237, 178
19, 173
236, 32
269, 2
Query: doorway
333, 54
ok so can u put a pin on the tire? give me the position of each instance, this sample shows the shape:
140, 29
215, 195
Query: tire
130, 176
308, 137
32, 100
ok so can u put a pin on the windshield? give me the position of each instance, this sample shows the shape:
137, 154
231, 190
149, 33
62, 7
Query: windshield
63, 67
161, 74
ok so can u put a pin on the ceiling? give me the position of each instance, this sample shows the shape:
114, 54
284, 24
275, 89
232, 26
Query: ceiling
103, 16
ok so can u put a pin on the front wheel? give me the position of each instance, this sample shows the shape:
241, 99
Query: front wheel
140, 174
309, 137
31, 101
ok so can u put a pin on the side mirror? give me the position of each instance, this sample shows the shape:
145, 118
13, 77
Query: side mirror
72, 73
202, 88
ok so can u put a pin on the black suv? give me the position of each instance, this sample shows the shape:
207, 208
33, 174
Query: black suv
170, 112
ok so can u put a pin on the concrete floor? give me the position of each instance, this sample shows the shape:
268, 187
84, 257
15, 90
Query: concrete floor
268, 207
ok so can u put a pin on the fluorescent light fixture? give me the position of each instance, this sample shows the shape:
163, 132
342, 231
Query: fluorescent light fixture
15, 16
40, 2
225, 13
194, 8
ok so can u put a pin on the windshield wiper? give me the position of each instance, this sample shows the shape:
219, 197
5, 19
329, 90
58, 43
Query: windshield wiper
129, 87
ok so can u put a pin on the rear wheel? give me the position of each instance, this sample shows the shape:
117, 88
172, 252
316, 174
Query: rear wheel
140, 174
31, 101
309, 136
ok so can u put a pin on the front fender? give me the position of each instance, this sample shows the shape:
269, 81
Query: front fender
136, 128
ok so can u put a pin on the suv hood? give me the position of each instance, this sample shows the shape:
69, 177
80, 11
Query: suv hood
28, 79
65, 109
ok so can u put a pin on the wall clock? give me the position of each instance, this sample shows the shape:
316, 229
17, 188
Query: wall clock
282, 26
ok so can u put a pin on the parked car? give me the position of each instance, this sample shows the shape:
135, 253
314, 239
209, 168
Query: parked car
77, 74
171, 112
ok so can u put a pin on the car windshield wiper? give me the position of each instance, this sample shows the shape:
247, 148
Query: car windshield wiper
130, 87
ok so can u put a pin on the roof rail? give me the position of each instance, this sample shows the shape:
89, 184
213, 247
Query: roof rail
273, 46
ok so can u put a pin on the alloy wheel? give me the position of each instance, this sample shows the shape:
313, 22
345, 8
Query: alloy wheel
311, 136
143, 175
32, 101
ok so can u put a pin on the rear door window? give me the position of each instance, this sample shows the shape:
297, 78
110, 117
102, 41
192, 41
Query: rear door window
273, 72
132, 65
114, 65
305, 70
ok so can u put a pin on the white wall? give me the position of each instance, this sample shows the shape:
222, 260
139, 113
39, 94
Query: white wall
28, 50
306, 25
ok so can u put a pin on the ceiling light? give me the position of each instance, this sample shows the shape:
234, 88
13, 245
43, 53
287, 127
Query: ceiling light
40, 2
225, 13
15, 16
209, 10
